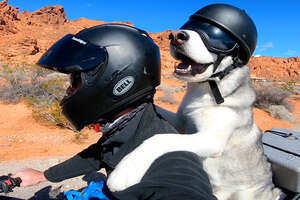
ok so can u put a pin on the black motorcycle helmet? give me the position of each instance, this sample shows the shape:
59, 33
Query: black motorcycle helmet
116, 66
222, 22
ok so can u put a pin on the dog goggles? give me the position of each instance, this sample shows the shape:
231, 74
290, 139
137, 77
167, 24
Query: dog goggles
72, 54
215, 39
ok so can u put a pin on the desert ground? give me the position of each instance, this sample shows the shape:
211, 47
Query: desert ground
21, 137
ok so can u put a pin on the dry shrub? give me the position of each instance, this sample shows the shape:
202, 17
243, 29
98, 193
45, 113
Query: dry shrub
21, 82
289, 86
267, 95
41, 89
79, 137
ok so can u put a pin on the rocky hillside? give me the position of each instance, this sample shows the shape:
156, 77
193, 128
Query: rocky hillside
25, 36
276, 68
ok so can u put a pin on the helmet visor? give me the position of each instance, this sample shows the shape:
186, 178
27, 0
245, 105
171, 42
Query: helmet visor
72, 54
215, 39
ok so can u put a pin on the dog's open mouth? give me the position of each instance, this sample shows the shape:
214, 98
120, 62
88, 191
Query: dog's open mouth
189, 67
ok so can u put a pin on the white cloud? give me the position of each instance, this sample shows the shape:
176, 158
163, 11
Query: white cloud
290, 52
266, 46
257, 55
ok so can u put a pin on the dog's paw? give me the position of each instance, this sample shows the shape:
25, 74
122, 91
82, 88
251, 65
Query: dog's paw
116, 182
126, 174
132, 167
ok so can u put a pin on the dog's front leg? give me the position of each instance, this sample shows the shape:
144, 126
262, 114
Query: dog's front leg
209, 141
132, 167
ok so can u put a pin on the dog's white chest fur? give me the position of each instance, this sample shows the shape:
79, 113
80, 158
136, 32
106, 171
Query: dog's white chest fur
242, 155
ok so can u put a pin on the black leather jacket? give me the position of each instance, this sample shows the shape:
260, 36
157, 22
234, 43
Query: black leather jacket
174, 176
108, 152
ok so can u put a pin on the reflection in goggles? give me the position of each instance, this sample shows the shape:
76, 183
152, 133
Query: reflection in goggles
215, 39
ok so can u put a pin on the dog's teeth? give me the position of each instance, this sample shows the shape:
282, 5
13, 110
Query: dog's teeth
189, 68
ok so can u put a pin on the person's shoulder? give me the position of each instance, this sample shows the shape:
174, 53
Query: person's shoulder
156, 121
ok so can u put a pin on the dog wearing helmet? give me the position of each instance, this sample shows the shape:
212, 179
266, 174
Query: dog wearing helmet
214, 46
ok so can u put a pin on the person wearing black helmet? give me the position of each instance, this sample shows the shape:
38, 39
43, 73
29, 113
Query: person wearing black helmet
114, 70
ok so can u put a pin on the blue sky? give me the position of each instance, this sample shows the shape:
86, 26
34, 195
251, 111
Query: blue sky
277, 21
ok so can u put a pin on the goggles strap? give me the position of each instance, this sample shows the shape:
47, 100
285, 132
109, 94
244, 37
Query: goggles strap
218, 61
236, 63
223, 73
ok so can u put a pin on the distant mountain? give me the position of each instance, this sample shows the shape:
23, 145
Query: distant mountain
25, 36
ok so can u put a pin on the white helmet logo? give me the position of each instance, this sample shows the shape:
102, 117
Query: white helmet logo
123, 85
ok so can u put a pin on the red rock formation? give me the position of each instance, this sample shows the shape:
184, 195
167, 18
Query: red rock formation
168, 62
8, 15
276, 68
25, 36
54, 15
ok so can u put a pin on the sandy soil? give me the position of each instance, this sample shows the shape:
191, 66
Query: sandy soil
21, 137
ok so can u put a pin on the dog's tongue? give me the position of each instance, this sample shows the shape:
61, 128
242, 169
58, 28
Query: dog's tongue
183, 69
186, 62
183, 65
191, 68
199, 68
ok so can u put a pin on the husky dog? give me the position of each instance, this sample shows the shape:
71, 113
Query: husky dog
217, 114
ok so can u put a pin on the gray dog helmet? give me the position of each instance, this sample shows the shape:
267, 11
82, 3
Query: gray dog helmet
235, 22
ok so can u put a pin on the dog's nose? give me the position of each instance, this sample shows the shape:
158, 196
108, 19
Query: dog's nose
178, 37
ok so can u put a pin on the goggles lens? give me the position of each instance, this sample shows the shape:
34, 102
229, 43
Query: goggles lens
215, 39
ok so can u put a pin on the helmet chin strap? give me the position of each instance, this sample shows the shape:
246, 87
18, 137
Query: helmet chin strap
216, 92
212, 83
